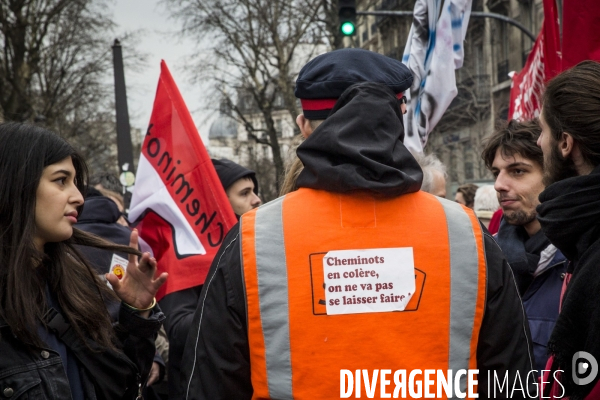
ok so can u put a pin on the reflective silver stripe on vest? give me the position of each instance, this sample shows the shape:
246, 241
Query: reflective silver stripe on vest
464, 285
271, 269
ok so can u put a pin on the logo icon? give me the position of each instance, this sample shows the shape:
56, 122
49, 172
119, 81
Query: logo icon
584, 367
119, 271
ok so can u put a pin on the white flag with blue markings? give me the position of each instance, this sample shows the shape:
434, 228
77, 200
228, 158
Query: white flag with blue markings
434, 50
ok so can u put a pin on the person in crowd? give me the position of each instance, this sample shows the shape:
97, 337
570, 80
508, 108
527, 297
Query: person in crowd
109, 182
485, 203
106, 180
494, 225
569, 214
100, 216
269, 324
56, 337
241, 187
434, 174
119, 201
465, 194
516, 162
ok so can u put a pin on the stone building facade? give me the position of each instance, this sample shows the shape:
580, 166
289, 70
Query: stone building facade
229, 138
242, 138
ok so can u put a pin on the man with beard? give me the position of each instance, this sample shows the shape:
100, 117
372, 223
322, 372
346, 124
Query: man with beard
569, 214
516, 162
275, 320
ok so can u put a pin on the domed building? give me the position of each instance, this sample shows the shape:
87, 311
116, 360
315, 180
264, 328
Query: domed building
223, 136
246, 144
224, 126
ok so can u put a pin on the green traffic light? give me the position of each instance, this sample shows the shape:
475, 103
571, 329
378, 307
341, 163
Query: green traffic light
348, 28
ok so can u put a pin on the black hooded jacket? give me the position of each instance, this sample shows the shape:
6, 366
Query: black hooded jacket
569, 214
358, 148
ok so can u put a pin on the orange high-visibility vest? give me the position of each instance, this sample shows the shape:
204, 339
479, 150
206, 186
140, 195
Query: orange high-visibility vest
297, 350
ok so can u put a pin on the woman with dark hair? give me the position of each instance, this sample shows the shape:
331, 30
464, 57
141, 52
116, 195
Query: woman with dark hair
56, 338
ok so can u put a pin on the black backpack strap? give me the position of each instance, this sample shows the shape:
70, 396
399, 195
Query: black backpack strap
56, 322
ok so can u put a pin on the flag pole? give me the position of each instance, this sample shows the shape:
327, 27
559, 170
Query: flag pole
124, 145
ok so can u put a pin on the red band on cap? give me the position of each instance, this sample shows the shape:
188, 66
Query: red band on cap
317, 104
324, 104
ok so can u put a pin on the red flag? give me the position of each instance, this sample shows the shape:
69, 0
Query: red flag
580, 41
543, 63
528, 85
550, 28
581, 37
179, 206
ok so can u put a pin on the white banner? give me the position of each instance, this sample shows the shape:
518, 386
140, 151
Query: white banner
433, 51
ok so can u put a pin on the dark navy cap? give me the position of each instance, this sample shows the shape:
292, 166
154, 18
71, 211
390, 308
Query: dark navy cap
323, 79
230, 172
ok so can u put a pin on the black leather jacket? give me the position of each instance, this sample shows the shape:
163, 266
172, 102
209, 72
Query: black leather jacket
39, 374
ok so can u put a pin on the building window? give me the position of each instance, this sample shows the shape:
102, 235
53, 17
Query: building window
248, 102
468, 157
453, 165
502, 53
469, 170
502, 71
278, 100
478, 59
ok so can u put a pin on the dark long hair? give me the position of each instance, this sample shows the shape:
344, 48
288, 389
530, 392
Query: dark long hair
25, 150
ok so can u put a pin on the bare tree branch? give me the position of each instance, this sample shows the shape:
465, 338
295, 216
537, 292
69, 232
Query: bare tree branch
257, 48
56, 70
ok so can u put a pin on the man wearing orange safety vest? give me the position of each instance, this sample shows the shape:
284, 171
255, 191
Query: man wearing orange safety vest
357, 283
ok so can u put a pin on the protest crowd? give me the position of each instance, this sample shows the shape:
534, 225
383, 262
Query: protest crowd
362, 276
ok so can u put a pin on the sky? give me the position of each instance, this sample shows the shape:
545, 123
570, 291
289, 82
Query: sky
158, 40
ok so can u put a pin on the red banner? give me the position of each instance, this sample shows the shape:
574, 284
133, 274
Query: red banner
528, 85
543, 63
178, 206
552, 47
581, 36
580, 41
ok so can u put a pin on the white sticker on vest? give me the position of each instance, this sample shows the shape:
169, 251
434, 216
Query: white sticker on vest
368, 280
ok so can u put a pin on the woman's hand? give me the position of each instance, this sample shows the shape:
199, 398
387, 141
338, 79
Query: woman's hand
138, 286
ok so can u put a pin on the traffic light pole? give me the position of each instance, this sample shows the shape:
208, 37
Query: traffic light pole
476, 14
